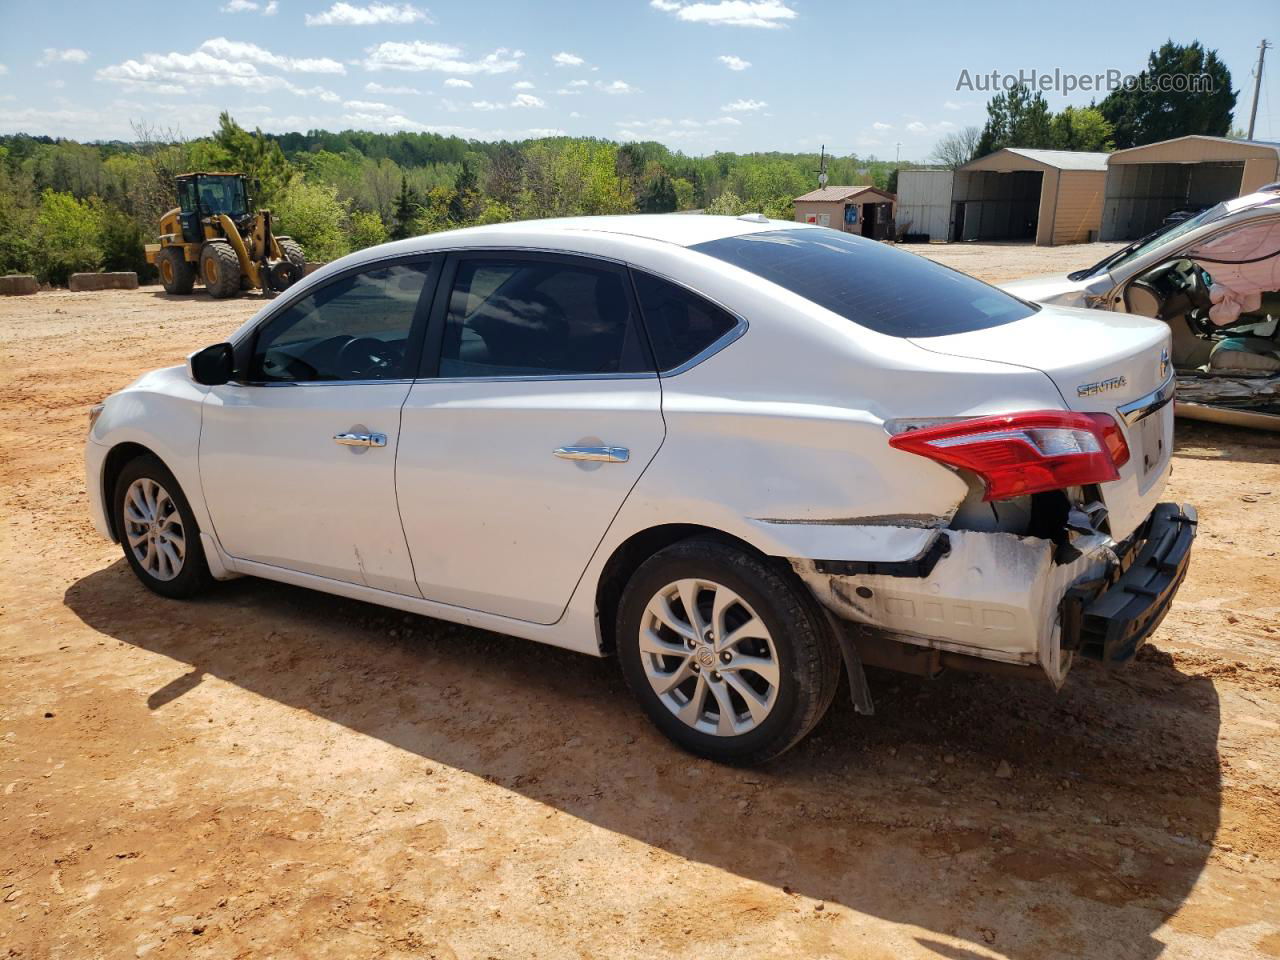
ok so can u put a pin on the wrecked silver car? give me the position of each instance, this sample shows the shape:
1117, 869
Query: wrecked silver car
1214, 278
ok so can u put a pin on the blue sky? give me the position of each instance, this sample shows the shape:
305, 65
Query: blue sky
698, 75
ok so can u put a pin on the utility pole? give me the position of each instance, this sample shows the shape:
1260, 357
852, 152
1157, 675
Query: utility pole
822, 167
897, 153
1257, 85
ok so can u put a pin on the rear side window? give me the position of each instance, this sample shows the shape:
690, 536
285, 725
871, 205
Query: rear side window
681, 324
513, 318
875, 286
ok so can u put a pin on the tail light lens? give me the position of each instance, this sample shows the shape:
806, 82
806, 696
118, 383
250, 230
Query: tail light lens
1021, 453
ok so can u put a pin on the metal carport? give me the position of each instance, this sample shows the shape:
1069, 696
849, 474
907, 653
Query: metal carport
1046, 196
1145, 184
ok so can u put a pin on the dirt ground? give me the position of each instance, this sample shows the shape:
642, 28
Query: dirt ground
270, 772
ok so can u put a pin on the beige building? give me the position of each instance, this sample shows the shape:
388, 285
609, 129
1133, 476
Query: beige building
1145, 184
862, 210
1046, 196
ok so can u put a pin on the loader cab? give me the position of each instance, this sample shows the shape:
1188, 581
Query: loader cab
203, 195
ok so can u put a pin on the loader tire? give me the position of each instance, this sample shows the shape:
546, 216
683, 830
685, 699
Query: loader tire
177, 276
292, 251
220, 270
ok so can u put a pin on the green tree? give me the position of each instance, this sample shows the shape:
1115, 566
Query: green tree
1082, 128
366, 230
727, 204
68, 235
312, 214
466, 201
256, 155
686, 193
1016, 118
405, 213
657, 193
1146, 114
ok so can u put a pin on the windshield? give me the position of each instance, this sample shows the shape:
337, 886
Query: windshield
222, 195
1157, 238
886, 290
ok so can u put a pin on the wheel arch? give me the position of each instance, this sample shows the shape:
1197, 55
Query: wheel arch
120, 455
635, 550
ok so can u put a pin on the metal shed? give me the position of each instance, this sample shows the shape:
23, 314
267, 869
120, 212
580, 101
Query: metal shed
1145, 184
1046, 196
924, 202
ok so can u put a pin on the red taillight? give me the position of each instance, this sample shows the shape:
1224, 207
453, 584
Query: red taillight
1021, 453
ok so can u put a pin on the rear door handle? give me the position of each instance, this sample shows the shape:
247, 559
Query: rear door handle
603, 454
361, 439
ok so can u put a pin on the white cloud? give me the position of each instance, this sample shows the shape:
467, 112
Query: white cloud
766, 14
566, 92
744, 106
574, 114
881, 126
351, 15
372, 87
958, 104
915, 126
564, 59
251, 52
271, 9
217, 63
367, 106
724, 122
522, 85
458, 82
71, 55
521, 101
579, 83
240, 6
734, 63
617, 87
3, 69
420, 55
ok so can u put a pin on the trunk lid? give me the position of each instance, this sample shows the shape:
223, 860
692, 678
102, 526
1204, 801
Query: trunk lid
1100, 362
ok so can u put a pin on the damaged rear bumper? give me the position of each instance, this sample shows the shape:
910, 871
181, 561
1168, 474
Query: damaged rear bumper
1110, 619
1019, 600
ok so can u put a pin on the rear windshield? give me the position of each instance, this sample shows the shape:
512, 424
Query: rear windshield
872, 284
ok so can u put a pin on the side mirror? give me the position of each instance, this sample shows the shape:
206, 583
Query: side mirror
213, 365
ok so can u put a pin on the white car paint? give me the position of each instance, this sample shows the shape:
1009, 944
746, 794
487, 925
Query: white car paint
778, 439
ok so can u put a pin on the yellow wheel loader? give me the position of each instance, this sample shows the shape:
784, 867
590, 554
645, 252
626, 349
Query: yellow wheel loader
212, 236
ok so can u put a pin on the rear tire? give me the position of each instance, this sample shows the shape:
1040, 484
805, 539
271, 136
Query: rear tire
220, 270
740, 701
177, 276
292, 251
158, 531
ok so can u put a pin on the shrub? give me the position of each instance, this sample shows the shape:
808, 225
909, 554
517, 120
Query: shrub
68, 236
313, 216
367, 230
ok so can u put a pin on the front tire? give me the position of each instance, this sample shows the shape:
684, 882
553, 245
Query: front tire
220, 270
158, 531
176, 274
728, 655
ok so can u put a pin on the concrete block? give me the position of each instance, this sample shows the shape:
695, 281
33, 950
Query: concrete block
81, 282
18, 285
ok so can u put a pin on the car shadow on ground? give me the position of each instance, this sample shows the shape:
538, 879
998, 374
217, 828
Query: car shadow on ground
963, 802
1198, 440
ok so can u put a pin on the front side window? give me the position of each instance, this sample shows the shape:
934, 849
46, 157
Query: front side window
519, 318
681, 324
222, 195
873, 285
355, 328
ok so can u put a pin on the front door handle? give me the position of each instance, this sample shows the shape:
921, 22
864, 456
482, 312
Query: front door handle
603, 454
361, 439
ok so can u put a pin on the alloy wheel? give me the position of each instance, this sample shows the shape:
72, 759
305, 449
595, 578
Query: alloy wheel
154, 529
709, 657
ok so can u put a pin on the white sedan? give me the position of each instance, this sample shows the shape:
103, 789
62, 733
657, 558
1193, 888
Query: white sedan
743, 456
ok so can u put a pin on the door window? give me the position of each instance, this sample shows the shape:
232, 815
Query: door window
355, 328
520, 318
681, 324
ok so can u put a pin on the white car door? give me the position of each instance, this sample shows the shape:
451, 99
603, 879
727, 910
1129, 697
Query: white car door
538, 409
297, 461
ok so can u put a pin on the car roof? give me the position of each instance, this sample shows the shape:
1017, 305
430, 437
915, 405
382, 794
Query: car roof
571, 232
